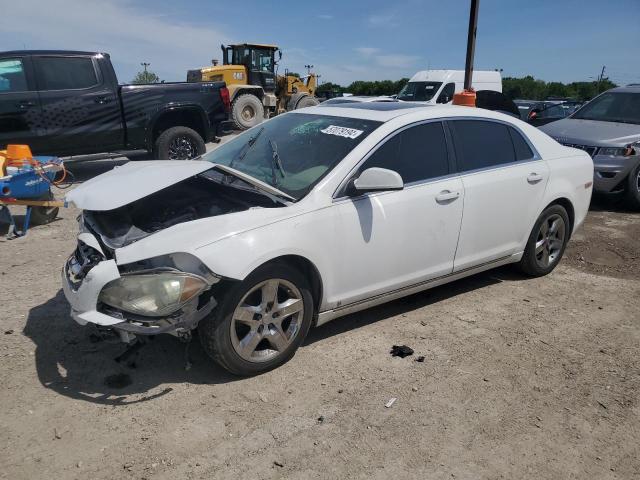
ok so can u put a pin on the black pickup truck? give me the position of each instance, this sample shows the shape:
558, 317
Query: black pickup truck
69, 103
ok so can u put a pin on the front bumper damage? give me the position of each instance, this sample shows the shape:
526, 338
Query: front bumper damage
85, 274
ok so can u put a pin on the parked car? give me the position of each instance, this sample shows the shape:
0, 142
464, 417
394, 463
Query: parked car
497, 102
608, 128
544, 113
316, 214
69, 103
438, 86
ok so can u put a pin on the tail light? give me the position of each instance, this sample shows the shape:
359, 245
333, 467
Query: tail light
226, 100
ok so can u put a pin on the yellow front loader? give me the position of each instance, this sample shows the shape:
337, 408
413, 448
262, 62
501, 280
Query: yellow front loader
257, 92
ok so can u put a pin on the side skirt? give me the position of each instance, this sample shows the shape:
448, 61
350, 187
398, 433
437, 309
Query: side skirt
327, 316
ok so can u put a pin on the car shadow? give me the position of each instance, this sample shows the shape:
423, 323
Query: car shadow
414, 302
77, 362
80, 363
610, 202
81, 171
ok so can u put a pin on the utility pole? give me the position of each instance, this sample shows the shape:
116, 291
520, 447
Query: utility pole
308, 67
468, 97
471, 43
145, 65
600, 78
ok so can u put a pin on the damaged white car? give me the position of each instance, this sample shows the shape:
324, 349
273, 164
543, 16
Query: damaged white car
316, 214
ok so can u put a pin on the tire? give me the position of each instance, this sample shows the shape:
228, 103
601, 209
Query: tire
44, 215
179, 143
231, 326
633, 188
541, 258
307, 101
247, 111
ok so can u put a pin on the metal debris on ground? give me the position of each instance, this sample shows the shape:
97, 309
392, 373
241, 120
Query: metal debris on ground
390, 402
420, 359
401, 351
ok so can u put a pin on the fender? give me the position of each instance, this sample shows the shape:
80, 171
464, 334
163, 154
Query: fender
171, 108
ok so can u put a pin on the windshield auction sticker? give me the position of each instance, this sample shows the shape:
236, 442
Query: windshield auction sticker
342, 131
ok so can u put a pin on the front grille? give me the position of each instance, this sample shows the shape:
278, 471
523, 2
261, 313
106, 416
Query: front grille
592, 151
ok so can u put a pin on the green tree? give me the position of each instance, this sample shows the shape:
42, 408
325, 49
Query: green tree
145, 76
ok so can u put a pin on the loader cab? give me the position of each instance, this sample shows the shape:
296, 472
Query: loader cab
259, 61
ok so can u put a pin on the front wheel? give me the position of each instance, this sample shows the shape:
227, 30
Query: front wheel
547, 242
179, 143
260, 322
633, 188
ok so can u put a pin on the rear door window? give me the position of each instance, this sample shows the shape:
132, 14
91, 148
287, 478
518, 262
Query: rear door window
12, 76
65, 73
482, 144
520, 145
417, 153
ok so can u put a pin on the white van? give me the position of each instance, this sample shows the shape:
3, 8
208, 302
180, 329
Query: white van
438, 86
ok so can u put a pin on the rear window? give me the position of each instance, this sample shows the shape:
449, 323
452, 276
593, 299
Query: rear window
65, 73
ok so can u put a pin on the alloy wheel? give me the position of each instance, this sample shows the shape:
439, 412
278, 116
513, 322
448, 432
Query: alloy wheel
550, 240
267, 320
182, 148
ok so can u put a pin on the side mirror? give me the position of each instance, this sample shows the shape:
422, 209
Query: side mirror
280, 54
376, 179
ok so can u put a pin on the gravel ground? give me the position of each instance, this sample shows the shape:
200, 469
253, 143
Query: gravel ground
522, 378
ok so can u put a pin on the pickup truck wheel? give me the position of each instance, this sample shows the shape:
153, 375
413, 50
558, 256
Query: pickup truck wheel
633, 188
247, 111
179, 143
44, 215
260, 322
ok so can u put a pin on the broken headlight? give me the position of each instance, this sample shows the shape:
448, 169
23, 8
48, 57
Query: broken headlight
152, 294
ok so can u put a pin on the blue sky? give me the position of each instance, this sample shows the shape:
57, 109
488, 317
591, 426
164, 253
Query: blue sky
563, 40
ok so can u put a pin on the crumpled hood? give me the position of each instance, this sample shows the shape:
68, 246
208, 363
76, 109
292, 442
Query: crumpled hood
592, 132
190, 236
131, 182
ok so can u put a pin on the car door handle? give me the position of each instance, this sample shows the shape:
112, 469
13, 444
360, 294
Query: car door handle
26, 104
102, 100
447, 196
534, 178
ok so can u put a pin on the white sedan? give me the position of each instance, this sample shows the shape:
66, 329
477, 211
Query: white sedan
316, 214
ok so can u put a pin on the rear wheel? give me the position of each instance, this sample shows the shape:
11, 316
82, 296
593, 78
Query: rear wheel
247, 111
260, 322
179, 143
44, 215
633, 188
547, 242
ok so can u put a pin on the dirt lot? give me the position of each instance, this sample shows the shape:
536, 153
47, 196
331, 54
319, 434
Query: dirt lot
522, 379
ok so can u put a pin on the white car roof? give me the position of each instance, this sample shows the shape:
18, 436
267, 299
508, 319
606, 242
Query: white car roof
385, 111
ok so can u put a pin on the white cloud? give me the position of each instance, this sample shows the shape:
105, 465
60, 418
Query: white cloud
383, 20
324, 16
366, 51
396, 60
117, 27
